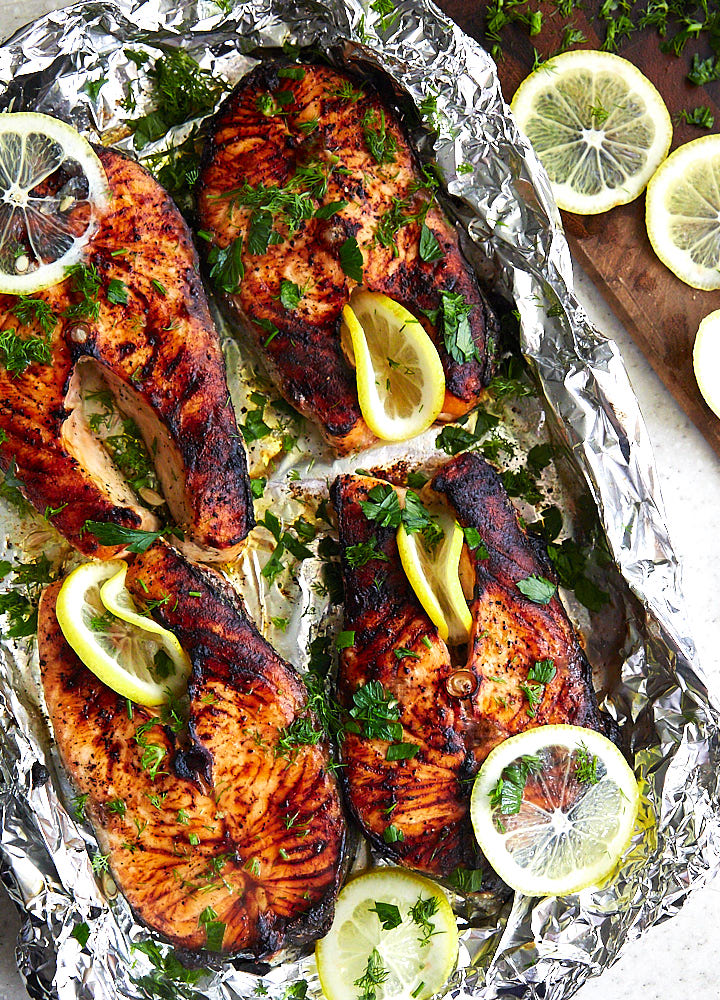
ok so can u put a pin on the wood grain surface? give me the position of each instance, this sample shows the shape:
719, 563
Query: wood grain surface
661, 313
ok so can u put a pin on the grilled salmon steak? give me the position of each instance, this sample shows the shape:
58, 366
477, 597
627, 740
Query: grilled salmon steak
454, 705
136, 317
304, 169
226, 831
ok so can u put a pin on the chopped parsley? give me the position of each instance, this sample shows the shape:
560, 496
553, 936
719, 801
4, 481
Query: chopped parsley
117, 292
383, 507
537, 589
290, 294
506, 796
81, 933
226, 266
21, 608
260, 230
363, 553
402, 751
134, 539
351, 259
701, 116
430, 249
375, 713
539, 675
474, 542
455, 326
214, 929
392, 834
388, 915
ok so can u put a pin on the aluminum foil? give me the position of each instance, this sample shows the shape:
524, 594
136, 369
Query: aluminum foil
527, 948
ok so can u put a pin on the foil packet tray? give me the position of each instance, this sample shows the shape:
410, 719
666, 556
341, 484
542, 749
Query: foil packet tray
646, 662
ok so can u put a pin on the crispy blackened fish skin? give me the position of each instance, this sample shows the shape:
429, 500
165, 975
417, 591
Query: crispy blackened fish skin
455, 707
154, 344
219, 814
278, 149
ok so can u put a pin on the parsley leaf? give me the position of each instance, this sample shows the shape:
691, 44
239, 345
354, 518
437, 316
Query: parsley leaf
382, 506
133, 539
259, 230
327, 211
117, 292
456, 330
402, 751
226, 266
375, 713
537, 589
388, 915
351, 259
290, 294
430, 249
507, 794
363, 553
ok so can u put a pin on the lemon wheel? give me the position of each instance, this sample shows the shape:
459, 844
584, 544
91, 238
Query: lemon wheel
52, 191
400, 378
128, 652
599, 127
554, 809
392, 929
682, 213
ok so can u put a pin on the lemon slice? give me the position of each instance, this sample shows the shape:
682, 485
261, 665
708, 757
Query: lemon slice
576, 812
706, 360
52, 191
434, 575
129, 652
400, 378
599, 127
682, 213
410, 961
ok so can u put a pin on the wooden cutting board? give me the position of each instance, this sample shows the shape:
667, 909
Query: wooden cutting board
660, 312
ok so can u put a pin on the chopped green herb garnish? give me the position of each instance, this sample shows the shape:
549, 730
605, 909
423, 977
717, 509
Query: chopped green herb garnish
586, 766
133, 538
363, 553
388, 915
381, 143
375, 975
375, 713
402, 652
701, 116
345, 640
392, 834
421, 913
226, 266
402, 751
430, 249
537, 589
117, 292
351, 259
290, 294
18, 353
507, 794
81, 933
29, 310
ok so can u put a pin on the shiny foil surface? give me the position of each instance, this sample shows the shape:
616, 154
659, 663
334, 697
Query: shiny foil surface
524, 948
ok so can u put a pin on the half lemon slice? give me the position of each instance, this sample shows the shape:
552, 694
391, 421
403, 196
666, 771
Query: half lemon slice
599, 127
682, 212
129, 652
706, 360
554, 809
53, 189
400, 378
393, 931
433, 571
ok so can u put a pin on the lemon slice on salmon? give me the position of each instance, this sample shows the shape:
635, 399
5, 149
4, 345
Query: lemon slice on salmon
554, 809
53, 189
400, 378
393, 931
433, 570
129, 652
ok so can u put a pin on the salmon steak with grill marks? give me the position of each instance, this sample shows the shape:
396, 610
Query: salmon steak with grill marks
221, 830
300, 162
454, 704
141, 328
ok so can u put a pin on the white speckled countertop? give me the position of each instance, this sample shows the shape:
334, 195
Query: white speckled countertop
679, 958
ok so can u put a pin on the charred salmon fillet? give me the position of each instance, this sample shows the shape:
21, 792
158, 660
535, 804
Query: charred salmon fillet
223, 813
137, 317
301, 162
454, 705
